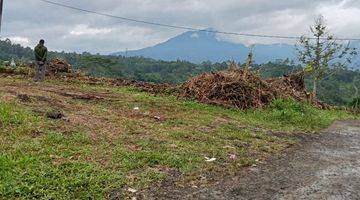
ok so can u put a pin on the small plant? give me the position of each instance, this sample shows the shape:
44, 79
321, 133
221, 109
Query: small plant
290, 111
287, 108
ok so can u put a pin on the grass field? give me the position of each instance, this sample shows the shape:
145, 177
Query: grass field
123, 138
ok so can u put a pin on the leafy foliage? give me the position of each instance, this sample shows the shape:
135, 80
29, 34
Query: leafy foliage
322, 52
355, 103
289, 109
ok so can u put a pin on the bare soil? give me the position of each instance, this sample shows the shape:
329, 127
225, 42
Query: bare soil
324, 166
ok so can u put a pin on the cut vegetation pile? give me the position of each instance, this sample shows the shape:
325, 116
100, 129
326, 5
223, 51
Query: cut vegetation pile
292, 85
229, 88
243, 89
57, 66
54, 68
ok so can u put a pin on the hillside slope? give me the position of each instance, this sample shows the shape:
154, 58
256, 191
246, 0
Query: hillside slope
111, 142
198, 46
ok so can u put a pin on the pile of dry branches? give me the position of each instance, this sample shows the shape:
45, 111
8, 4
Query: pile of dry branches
233, 88
242, 89
57, 66
292, 85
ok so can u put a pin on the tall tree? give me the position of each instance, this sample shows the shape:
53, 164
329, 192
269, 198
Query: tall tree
322, 53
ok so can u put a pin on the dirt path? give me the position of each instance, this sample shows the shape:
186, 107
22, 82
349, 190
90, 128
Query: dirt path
326, 166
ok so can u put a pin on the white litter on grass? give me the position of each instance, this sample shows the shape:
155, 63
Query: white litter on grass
136, 108
131, 190
210, 159
232, 156
228, 147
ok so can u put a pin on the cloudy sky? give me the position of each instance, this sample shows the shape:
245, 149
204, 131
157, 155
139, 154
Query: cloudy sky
25, 21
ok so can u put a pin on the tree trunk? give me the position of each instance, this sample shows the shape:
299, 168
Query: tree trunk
1, 12
315, 88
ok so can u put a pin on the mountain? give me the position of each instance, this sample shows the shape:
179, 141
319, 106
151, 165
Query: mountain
200, 46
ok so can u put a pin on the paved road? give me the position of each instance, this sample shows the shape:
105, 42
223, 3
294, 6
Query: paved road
324, 167
320, 167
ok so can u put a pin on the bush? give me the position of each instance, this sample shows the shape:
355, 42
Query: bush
6, 70
21, 70
355, 103
287, 109
24, 71
290, 111
302, 115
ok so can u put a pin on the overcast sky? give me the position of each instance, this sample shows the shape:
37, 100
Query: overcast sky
26, 21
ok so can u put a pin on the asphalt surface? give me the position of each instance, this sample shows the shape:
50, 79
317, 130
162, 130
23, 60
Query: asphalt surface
323, 167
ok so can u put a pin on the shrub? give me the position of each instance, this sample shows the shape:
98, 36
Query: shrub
355, 103
6, 70
300, 114
286, 109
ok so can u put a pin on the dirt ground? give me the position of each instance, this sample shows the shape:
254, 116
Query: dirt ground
325, 166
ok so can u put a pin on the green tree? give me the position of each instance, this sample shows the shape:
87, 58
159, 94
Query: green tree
322, 53
356, 84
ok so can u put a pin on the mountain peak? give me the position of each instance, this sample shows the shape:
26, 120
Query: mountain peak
205, 35
204, 45
210, 29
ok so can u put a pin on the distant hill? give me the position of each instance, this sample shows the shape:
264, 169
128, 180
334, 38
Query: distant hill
199, 46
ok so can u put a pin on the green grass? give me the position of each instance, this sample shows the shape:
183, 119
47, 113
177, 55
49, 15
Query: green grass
45, 159
49, 166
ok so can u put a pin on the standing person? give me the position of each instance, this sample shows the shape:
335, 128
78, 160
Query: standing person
40, 58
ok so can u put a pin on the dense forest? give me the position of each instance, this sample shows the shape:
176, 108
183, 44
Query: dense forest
339, 88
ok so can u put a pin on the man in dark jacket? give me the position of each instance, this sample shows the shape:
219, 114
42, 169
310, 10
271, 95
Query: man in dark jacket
40, 58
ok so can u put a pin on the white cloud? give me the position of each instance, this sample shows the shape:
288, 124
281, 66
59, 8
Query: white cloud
195, 35
342, 20
69, 30
24, 41
85, 30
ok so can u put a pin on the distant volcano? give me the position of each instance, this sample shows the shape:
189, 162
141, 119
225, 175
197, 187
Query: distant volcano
200, 46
